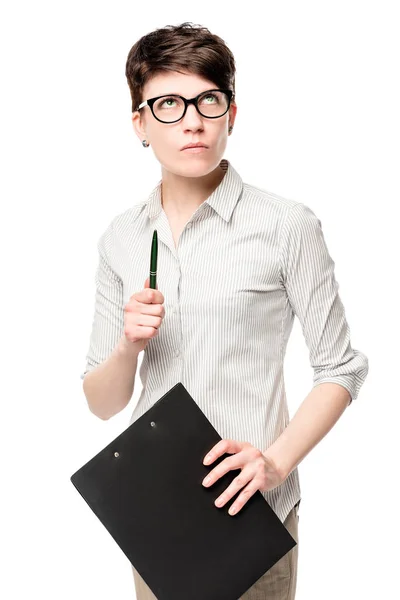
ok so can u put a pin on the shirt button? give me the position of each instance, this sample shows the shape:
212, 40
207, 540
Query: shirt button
189, 225
177, 353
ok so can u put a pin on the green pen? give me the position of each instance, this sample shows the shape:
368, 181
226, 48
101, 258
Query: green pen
153, 261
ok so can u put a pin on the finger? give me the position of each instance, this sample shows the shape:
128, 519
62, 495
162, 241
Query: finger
244, 477
142, 308
244, 496
149, 321
237, 461
148, 296
223, 446
155, 295
153, 309
147, 283
158, 298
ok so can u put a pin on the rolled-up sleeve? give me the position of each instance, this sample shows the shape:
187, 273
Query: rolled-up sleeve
307, 271
108, 320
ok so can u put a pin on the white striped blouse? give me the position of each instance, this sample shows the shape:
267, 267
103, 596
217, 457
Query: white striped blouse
247, 261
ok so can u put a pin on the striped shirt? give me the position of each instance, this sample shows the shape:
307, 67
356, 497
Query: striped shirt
246, 263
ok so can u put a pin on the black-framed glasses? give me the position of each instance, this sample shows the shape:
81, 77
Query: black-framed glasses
170, 108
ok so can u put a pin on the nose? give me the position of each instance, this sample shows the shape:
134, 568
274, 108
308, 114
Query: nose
192, 118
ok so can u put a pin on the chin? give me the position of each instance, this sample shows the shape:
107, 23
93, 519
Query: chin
191, 164
190, 167
197, 168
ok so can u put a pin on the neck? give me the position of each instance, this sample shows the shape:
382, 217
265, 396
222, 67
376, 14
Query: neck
181, 196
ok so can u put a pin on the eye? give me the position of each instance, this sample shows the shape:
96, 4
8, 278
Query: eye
210, 96
168, 102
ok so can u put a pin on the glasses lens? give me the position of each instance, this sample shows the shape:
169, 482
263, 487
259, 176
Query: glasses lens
210, 104
213, 104
168, 108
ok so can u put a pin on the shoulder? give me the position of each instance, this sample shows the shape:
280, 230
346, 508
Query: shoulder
125, 220
262, 199
273, 208
283, 212
266, 197
288, 206
120, 225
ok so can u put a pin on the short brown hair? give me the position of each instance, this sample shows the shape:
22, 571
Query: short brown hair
174, 47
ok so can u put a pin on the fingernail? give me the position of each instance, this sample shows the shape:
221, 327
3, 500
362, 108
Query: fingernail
207, 458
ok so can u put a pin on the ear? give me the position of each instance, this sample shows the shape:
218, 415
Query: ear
138, 125
232, 113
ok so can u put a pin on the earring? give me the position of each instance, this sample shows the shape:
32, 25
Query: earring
230, 128
145, 144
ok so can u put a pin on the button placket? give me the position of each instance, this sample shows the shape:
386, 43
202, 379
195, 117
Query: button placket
176, 309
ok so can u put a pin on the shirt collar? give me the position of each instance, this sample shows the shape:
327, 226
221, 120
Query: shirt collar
223, 199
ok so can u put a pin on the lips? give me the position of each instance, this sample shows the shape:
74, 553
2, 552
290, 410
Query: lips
197, 145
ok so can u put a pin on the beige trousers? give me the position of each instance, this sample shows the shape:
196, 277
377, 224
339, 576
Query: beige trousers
278, 583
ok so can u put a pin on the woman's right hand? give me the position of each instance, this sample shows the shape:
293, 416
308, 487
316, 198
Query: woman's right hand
143, 315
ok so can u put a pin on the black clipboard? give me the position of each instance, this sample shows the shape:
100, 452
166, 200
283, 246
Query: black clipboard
146, 489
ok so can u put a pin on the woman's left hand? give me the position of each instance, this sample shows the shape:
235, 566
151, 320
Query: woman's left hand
258, 471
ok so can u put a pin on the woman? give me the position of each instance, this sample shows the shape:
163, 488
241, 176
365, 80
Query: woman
236, 263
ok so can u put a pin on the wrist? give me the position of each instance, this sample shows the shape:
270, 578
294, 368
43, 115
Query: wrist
282, 469
129, 349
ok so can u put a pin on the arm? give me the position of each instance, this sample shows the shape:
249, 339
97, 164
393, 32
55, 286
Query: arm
109, 376
307, 271
109, 387
314, 418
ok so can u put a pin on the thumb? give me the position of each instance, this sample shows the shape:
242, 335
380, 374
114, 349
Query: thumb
147, 283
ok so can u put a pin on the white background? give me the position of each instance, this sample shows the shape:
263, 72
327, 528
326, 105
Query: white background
317, 89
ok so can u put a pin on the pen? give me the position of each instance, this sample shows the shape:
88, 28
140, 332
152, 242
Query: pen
153, 261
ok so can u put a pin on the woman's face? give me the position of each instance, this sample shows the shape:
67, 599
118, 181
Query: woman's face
167, 139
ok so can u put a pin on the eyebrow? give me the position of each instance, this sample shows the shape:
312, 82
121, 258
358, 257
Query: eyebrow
177, 94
